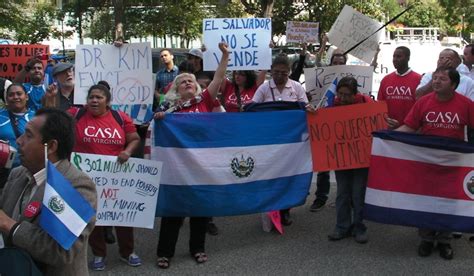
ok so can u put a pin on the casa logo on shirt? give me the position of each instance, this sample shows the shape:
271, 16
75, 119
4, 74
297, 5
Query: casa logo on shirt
104, 133
443, 119
399, 92
233, 98
469, 185
56, 204
242, 164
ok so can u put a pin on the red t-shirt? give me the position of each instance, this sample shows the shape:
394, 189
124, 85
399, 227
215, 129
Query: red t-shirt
230, 99
446, 119
101, 134
399, 93
205, 105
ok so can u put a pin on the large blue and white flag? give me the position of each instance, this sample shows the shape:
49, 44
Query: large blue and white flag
422, 181
65, 212
223, 164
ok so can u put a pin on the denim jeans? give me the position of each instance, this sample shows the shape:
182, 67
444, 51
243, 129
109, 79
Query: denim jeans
351, 186
322, 186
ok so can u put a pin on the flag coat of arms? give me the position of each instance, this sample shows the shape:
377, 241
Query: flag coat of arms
222, 164
422, 181
65, 212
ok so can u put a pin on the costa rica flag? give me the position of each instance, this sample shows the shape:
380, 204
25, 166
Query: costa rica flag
422, 181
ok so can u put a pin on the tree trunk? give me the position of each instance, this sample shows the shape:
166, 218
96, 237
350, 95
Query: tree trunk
267, 8
119, 11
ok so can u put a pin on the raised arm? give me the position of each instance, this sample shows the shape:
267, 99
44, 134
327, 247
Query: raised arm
219, 76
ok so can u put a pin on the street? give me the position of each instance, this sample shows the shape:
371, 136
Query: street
242, 248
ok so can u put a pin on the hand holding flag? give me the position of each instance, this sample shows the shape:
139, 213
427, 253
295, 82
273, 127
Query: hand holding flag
65, 212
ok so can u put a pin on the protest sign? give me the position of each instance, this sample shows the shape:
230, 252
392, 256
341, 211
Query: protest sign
248, 40
341, 137
127, 69
318, 79
14, 57
127, 193
302, 32
350, 28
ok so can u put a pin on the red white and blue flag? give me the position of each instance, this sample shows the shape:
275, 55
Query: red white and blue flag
422, 181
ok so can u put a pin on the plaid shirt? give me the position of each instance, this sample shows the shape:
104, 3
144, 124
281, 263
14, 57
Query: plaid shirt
164, 77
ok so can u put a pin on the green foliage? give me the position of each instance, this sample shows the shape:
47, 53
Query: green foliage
424, 13
10, 16
37, 27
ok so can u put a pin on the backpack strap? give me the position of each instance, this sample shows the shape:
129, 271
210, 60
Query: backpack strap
81, 111
117, 117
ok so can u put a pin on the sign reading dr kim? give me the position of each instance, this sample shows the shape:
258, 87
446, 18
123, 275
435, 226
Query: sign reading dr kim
127, 69
248, 40
127, 193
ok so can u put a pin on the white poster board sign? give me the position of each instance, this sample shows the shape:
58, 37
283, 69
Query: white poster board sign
350, 28
302, 32
318, 79
127, 69
248, 40
127, 193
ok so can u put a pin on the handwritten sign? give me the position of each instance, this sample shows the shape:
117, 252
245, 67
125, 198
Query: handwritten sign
350, 28
248, 39
302, 32
341, 137
14, 57
127, 69
318, 79
127, 193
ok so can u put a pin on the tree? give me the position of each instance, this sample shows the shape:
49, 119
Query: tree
10, 16
424, 13
457, 12
37, 27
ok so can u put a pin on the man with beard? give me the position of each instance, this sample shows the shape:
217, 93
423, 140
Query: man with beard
64, 75
35, 88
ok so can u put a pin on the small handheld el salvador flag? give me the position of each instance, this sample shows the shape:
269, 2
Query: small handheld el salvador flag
331, 93
65, 212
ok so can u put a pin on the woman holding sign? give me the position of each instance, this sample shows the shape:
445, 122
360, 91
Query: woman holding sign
351, 184
185, 96
101, 130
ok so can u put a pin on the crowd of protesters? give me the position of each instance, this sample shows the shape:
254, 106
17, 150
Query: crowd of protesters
187, 88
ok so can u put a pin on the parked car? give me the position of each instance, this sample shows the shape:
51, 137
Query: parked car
178, 53
70, 54
293, 54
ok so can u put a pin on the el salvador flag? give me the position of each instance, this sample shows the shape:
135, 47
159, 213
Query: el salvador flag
223, 164
330, 94
65, 212
422, 181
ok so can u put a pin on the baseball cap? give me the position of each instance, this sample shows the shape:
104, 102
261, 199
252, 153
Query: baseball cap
195, 52
61, 67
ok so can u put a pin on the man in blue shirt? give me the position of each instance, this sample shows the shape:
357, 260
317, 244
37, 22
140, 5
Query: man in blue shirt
35, 88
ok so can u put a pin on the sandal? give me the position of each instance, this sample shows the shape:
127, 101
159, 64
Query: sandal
200, 257
163, 262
